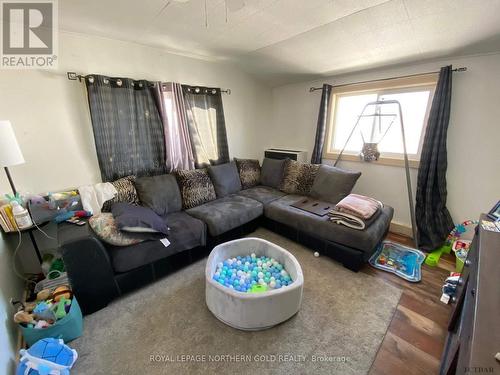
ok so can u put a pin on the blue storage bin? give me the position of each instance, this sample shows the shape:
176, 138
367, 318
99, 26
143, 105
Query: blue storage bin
68, 328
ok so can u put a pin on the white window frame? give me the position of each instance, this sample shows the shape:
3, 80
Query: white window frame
396, 85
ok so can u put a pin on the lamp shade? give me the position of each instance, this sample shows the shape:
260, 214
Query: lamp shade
10, 153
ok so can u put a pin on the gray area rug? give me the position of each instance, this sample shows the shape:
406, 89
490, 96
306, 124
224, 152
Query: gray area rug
166, 328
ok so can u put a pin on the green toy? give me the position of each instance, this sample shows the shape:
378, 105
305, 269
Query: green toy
258, 288
465, 229
60, 307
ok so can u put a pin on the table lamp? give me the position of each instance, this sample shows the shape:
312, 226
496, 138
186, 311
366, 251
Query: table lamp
10, 153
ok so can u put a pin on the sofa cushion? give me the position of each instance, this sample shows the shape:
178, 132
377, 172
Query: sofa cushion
125, 192
196, 187
227, 213
333, 184
225, 178
263, 194
249, 170
137, 219
298, 177
272, 172
186, 233
319, 226
160, 193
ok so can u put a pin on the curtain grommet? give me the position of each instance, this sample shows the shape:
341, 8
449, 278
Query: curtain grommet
119, 82
91, 79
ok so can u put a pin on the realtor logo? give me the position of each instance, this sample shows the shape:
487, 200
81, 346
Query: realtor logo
29, 34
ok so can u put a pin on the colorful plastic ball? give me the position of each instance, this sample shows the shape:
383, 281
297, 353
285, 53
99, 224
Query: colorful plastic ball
272, 284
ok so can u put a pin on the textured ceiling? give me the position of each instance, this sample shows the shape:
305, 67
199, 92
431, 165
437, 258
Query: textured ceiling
282, 41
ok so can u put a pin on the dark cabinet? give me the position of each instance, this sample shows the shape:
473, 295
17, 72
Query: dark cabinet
474, 328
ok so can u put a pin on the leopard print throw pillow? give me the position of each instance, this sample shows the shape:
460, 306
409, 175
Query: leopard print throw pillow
298, 177
196, 187
249, 170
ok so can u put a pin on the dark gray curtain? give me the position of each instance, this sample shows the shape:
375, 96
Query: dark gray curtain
434, 221
321, 127
207, 125
127, 128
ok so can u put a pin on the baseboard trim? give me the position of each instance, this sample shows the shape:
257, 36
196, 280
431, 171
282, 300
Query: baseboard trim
400, 228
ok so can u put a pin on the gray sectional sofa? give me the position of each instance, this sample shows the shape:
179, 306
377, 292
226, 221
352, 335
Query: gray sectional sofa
100, 272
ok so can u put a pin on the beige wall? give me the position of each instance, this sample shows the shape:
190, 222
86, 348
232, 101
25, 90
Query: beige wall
50, 114
473, 158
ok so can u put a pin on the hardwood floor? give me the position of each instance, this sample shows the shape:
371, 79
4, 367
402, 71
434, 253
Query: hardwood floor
415, 338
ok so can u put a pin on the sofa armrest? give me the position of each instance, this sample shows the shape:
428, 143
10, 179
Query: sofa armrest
88, 266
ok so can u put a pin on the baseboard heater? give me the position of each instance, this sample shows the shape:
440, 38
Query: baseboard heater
280, 153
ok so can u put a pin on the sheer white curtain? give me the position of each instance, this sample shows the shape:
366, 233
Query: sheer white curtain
206, 124
179, 152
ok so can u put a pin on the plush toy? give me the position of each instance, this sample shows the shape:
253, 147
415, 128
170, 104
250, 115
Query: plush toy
43, 311
24, 317
47, 356
29, 306
60, 307
43, 295
41, 324
62, 291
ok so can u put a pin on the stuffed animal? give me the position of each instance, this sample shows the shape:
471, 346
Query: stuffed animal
47, 356
62, 291
24, 317
44, 311
60, 307
43, 295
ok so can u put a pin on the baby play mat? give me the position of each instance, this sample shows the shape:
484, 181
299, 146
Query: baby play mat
398, 259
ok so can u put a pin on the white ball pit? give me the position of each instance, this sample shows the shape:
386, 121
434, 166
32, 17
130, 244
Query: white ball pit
253, 311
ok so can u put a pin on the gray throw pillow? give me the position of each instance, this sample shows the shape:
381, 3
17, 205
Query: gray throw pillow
159, 193
271, 172
333, 184
225, 178
137, 219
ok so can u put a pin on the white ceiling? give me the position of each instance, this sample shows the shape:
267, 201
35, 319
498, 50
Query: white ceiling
282, 41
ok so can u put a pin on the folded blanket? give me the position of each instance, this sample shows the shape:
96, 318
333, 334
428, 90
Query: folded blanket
346, 219
359, 206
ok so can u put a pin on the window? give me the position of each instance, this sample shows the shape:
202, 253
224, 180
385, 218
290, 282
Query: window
415, 96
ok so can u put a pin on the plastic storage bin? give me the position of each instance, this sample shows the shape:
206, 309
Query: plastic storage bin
68, 328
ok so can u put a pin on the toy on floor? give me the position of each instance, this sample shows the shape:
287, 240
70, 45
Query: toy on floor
47, 356
251, 274
464, 231
403, 261
449, 288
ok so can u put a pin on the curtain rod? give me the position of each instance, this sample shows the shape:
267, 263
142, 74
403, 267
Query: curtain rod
461, 69
72, 76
